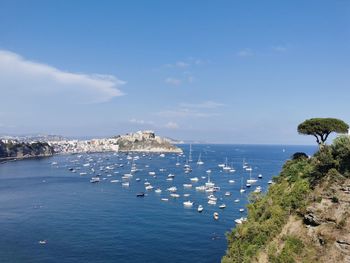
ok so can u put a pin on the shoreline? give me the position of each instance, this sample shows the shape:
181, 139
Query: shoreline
12, 159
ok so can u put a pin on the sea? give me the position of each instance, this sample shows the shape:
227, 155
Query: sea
51, 212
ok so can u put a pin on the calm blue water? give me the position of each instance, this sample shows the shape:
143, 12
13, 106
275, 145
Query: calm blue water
104, 222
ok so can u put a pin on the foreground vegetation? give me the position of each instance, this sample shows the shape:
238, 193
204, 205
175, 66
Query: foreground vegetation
293, 190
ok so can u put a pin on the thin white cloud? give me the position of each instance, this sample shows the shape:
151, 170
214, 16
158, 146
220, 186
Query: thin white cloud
245, 53
184, 113
203, 105
186, 63
279, 48
181, 64
173, 81
31, 79
172, 125
141, 122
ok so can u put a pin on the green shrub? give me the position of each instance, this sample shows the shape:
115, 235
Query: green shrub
268, 213
341, 153
292, 247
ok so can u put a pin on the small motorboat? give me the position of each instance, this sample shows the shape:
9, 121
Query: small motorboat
95, 179
200, 209
141, 194
200, 188
42, 242
165, 199
149, 187
212, 197
172, 189
258, 189
241, 210
188, 204
158, 191
227, 193
260, 176
211, 202
231, 181
216, 215
240, 220
223, 206
236, 200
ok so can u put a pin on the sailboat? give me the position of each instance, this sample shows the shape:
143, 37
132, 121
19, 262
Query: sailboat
200, 162
187, 167
177, 161
242, 190
209, 184
245, 164
190, 154
250, 180
226, 167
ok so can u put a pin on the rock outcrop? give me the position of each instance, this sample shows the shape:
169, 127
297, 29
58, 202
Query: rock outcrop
145, 141
10, 149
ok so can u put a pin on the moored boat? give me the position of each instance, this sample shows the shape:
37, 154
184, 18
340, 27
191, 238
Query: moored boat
216, 215
200, 209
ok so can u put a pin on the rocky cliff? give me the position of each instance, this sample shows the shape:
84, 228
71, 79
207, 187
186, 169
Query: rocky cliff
145, 141
10, 149
305, 215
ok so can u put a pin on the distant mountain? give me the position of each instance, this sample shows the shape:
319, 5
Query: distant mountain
173, 141
33, 137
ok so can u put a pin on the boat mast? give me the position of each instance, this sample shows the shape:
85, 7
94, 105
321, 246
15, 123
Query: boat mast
190, 155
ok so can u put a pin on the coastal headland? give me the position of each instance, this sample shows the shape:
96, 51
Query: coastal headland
141, 141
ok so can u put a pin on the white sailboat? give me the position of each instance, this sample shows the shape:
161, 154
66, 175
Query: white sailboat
190, 154
250, 180
177, 161
242, 190
245, 164
200, 162
226, 167
209, 184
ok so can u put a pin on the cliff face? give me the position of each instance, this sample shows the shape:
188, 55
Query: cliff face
305, 215
14, 149
145, 141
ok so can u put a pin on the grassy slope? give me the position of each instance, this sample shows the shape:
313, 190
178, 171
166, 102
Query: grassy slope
275, 230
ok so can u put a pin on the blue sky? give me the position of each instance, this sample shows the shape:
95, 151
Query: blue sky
216, 71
